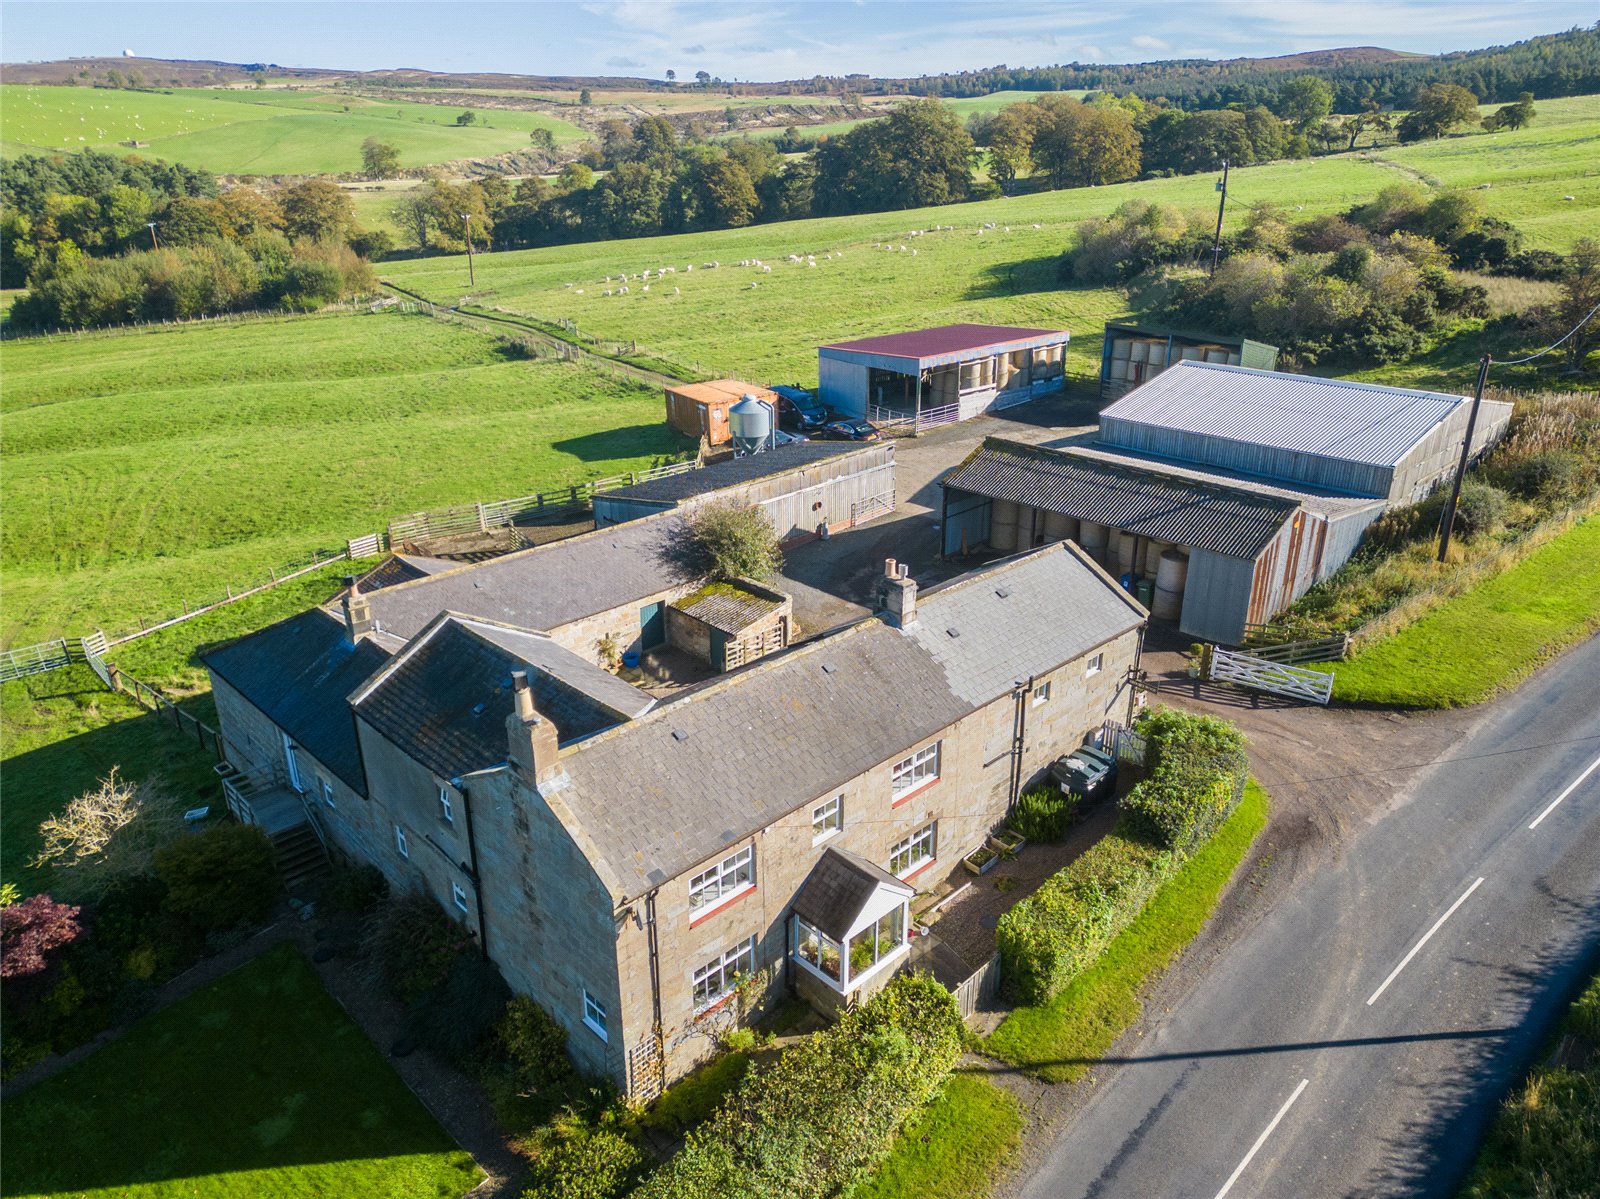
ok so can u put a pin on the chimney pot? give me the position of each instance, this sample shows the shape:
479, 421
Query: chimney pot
534, 744
358, 620
889, 568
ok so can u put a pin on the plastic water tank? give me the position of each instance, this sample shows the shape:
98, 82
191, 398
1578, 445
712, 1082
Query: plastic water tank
750, 424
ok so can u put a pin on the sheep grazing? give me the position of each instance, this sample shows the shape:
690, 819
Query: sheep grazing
754, 285
688, 268
579, 292
913, 253
980, 232
676, 292
766, 270
1036, 226
567, 285
1569, 197
1008, 228
646, 287
812, 263
902, 249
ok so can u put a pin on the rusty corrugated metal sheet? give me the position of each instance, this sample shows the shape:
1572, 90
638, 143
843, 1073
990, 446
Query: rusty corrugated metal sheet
1226, 521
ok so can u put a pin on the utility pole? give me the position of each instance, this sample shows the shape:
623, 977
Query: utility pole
472, 278
1448, 517
151, 225
1222, 202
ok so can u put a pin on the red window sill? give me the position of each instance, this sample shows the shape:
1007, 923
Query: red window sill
721, 904
906, 878
913, 793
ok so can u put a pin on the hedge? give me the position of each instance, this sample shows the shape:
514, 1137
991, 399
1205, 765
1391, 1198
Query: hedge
1066, 924
1197, 769
819, 1118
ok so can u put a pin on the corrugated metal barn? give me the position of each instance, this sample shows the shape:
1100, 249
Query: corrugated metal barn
1135, 354
934, 376
1219, 494
799, 487
1357, 438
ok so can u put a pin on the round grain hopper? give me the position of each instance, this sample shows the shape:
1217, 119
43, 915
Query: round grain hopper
1003, 525
750, 425
1171, 575
1092, 536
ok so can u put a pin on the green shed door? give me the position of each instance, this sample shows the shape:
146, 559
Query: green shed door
652, 625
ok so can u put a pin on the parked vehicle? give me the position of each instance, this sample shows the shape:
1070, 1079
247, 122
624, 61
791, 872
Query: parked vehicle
848, 430
782, 438
1086, 771
799, 410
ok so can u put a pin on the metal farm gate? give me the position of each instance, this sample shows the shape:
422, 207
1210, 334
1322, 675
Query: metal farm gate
1277, 678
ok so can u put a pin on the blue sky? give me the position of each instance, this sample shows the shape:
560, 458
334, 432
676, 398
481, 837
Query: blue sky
772, 40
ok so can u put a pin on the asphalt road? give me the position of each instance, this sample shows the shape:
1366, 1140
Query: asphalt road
1355, 1041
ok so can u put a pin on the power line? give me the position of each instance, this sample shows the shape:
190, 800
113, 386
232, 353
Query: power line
1556, 346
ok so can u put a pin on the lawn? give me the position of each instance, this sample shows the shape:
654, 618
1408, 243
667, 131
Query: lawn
62, 731
150, 469
952, 1147
1488, 638
1059, 1041
256, 1085
718, 323
264, 133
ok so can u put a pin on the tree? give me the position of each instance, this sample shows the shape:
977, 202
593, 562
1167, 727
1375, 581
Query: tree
672, 76
109, 832
727, 540
1084, 145
655, 141
574, 177
1580, 293
1512, 116
703, 78
222, 877
542, 139
30, 930
467, 118
727, 195
1372, 120
584, 98
631, 199
1304, 100
917, 156
244, 212
1010, 135
318, 210
379, 159
1439, 108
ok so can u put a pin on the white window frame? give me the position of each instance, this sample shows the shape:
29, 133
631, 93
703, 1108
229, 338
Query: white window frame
720, 884
447, 807
1041, 694
594, 1016
721, 974
293, 765
911, 773
1097, 663
459, 894
327, 796
827, 819
401, 844
926, 838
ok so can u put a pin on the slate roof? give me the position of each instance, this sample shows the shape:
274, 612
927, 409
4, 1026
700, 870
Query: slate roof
446, 699
1020, 617
544, 587
1330, 418
298, 673
838, 887
666, 792
402, 568
737, 471
945, 339
1141, 499
728, 607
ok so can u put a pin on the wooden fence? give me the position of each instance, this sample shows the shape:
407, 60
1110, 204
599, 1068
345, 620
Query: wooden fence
480, 517
979, 987
209, 739
1125, 743
1322, 649
1258, 674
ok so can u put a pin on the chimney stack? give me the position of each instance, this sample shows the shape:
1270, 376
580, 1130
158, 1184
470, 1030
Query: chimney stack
358, 620
900, 594
532, 739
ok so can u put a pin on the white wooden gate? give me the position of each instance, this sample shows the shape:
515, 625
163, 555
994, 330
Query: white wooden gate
1279, 678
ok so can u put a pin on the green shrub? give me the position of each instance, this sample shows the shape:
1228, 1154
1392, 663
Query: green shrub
689, 1101
220, 877
1481, 509
1547, 477
535, 1045
1180, 806
815, 1121
416, 943
356, 890
1066, 924
456, 1017
1044, 813
597, 1163
1171, 732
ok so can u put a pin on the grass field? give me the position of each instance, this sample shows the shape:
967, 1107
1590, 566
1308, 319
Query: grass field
772, 332
256, 1085
1059, 1041
1488, 638
258, 133
147, 469
952, 1147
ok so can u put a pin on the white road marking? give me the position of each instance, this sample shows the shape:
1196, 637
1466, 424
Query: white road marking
1571, 787
1262, 1139
1426, 937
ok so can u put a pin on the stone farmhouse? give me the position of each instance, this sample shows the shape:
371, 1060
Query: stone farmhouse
647, 866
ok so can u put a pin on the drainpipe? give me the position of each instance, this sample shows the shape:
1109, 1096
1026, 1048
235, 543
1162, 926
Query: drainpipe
1019, 728
471, 867
1134, 672
653, 941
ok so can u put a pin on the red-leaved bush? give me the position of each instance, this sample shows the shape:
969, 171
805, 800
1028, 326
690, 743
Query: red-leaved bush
30, 930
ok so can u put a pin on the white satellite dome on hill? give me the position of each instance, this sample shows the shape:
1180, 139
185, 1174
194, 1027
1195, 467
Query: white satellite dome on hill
129, 54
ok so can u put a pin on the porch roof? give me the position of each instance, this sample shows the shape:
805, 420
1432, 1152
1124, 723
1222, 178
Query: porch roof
836, 894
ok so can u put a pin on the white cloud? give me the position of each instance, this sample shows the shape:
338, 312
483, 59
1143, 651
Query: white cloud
1145, 42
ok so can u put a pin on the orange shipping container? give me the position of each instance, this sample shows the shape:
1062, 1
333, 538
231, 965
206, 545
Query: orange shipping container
701, 409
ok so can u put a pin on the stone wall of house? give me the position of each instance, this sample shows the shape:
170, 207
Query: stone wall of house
550, 921
622, 625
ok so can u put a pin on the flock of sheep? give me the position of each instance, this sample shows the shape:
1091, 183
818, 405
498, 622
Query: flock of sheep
623, 283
